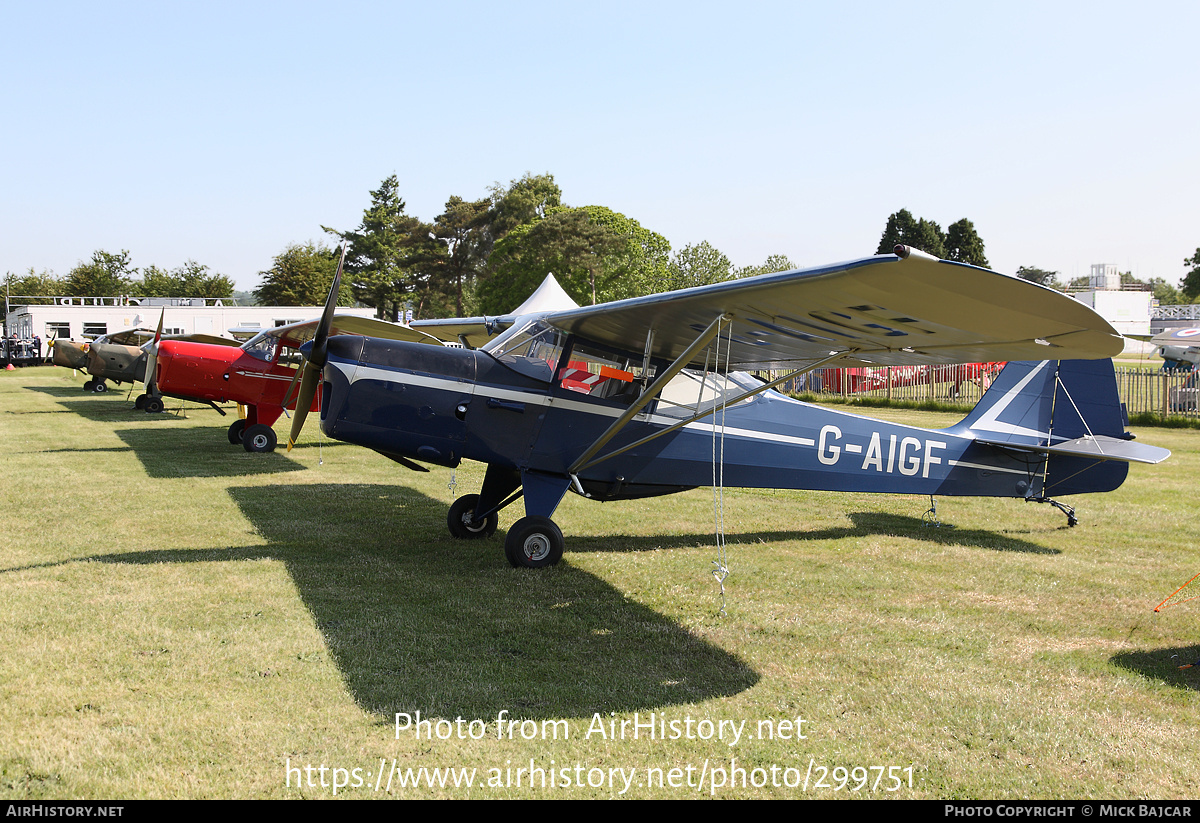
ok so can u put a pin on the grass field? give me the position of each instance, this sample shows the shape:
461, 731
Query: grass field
180, 618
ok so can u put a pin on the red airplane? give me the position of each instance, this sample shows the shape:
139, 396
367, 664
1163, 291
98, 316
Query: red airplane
260, 375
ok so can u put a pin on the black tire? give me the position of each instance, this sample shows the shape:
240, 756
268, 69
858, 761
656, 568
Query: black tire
99, 387
139, 402
236, 429
259, 438
88, 385
534, 543
154, 405
461, 514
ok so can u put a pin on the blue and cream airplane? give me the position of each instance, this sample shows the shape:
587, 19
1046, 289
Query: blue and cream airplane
643, 397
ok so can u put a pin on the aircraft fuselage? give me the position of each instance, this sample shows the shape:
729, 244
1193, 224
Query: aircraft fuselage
444, 405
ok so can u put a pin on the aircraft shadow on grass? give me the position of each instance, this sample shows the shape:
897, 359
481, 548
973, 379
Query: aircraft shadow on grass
1163, 665
206, 453
111, 407
415, 619
866, 524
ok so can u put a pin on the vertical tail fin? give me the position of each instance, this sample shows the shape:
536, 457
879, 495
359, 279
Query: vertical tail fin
1035, 402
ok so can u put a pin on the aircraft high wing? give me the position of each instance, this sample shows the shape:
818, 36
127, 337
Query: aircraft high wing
625, 399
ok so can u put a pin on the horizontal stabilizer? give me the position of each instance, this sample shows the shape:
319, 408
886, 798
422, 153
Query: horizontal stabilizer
1098, 447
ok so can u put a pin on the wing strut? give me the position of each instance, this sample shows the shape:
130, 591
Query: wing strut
714, 328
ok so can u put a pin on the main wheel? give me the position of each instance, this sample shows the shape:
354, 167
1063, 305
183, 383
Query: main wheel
153, 405
139, 402
236, 429
534, 542
259, 438
461, 515
99, 387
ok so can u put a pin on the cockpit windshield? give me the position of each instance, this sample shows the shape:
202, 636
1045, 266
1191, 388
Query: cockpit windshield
261, 346
531, 349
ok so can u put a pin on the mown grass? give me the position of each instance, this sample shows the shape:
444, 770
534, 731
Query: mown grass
182, 619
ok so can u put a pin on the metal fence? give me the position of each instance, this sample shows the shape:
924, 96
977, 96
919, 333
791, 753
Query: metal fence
1166, 393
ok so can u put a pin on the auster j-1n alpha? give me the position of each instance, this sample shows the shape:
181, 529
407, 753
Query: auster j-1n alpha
628, 399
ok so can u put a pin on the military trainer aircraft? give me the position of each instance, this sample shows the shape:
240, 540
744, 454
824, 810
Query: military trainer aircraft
646, 396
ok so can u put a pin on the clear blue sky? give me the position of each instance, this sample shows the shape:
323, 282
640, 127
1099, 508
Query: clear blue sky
222, 132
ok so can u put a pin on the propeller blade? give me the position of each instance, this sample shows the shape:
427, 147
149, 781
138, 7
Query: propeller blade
315, 361
321, 336
152, 356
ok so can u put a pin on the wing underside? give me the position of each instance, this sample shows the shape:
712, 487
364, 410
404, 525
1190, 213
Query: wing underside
883, 310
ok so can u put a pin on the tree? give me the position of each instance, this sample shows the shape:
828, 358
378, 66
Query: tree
964, 245
524, 201
566, 243
1039, 276
1191, 281
463, 227
596, 254
922, 234
32, 283
301, 276
1165, 293
774, 263
189, 280
698, 265
384, 254
105, 275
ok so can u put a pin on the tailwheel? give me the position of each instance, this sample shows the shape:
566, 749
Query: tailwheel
259, 438
534, 542
461, 519
236, 430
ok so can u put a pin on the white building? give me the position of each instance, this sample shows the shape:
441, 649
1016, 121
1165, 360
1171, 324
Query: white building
1129, 311
82, 318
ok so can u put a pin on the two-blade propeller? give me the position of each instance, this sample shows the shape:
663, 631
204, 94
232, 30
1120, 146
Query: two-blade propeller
310, 371
152, 356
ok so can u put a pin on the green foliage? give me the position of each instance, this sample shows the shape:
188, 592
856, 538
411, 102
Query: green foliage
964, 245
386, 253
301, 276
960, 242
463, 228
696, 265
106, 274
189, 280
34, 283
774, 263
524, 201
1165, 293
1191, 281
1043, 277
596, 254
